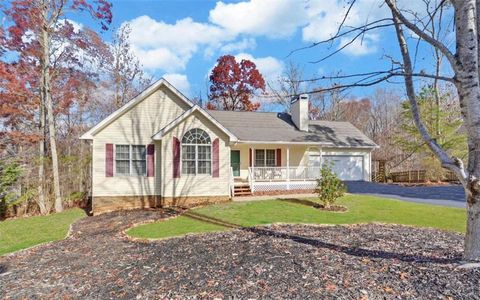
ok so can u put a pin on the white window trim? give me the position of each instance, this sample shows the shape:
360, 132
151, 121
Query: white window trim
130, 174
264, 158
196, 159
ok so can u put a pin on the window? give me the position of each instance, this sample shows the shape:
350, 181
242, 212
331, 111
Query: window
196, 152
139, 162
313, 157
130, 160
265, 158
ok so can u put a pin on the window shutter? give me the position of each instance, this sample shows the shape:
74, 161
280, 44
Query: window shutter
109, 160
216, 157
150, 160
250, 157
176, 158
279, 157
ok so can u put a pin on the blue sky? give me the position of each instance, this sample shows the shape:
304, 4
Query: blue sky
181, 40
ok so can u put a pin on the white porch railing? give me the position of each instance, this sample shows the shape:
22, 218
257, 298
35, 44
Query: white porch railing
259, 174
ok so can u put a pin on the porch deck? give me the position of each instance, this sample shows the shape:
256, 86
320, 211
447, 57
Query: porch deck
266, 179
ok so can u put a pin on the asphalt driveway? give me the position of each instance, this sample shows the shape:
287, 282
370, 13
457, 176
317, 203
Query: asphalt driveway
451, 195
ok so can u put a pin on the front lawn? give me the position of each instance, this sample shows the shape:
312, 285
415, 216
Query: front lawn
361, 209
22, 233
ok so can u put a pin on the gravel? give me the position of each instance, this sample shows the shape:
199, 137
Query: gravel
370, 261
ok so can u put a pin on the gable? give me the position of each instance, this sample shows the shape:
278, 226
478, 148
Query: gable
150, 111
195, 110
197, 120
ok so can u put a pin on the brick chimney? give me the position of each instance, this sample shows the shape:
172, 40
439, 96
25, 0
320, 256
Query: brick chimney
299, 111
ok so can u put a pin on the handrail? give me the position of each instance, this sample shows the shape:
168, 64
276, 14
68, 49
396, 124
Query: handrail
232, 183
250, 180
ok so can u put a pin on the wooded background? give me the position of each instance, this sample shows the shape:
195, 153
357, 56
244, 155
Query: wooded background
56, 81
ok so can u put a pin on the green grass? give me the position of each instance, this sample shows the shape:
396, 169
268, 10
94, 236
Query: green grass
361, 209
26, 232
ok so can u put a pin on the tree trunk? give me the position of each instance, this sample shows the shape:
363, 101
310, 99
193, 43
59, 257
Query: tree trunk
465, 64
467, 84
41, 161
45, 66
472, 240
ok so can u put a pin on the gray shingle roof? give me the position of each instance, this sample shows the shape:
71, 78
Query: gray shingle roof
278, 127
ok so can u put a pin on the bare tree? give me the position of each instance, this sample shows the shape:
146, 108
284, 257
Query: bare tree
464, 62
127, 77
287, 85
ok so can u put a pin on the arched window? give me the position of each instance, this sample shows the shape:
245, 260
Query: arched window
196, 152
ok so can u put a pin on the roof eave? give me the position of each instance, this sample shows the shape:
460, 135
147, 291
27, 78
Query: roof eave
307, 143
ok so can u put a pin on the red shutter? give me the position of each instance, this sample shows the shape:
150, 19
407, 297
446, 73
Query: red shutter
150, 160
279, 157
176, 158
215, 159
250, 150
109, 160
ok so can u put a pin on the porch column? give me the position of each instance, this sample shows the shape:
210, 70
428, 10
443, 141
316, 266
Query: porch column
288, 167
252, 155
321, 155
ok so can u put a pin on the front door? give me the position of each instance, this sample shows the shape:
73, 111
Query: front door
235, 162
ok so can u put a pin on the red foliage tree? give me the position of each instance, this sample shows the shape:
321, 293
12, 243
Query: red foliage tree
56, 54
233, 84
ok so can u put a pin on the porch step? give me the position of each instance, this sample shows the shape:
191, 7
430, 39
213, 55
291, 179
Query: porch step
243, 190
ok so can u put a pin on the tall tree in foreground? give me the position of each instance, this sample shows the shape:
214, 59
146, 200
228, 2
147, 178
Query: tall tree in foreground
464, 62
41, 35
233, 84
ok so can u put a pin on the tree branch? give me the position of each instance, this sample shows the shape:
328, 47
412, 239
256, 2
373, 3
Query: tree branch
445, 159
429, 39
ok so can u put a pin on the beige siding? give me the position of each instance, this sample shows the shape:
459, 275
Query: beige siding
136, 126
195, 185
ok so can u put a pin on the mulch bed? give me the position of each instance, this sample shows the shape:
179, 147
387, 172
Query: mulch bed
371, 261
332, 208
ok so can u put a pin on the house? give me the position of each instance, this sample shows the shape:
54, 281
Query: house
160, 149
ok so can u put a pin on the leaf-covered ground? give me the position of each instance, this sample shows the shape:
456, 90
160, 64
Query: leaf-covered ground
371, 261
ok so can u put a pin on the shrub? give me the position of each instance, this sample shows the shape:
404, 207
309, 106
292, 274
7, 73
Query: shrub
10, 173
329, 186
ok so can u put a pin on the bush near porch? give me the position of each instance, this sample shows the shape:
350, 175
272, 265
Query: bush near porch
361, 209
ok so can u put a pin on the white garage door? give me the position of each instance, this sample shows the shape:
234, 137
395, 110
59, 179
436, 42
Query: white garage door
346, 167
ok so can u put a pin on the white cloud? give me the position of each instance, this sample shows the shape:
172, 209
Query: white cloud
272, 18
169, 47
179, 81
361, 46
270, 67
317, 19
76, 26
325, 17
233, 27
242, 45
